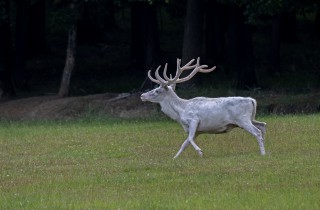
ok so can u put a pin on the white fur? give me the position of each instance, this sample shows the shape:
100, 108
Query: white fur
208, 115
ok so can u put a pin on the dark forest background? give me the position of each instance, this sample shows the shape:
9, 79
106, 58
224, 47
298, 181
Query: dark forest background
80, 47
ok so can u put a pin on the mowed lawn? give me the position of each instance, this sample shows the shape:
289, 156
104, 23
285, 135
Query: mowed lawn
101, 164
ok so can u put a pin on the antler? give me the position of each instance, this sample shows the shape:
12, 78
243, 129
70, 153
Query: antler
165, 81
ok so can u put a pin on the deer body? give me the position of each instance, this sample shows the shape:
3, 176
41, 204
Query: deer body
206, 115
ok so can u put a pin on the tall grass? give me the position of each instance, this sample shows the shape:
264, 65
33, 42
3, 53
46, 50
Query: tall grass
128, 165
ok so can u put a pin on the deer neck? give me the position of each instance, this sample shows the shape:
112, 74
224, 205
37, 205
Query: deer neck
173, 105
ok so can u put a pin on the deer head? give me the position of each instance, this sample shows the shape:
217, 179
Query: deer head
167, 85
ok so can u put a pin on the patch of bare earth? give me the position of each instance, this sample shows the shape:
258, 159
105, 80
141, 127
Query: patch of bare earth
127, 106
55, 108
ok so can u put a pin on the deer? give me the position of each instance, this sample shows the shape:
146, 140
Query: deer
201, 114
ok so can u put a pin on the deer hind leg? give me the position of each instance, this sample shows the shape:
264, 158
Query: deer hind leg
255, 132
261, 126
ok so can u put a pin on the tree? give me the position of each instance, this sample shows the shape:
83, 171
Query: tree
193, 31
6, 83
98, 17
283, 28
29, 37
317, 23
71, 49
19, 74
70, 62
280, 15
145, 45
36, 33
215, 29
192, 35
246, 73
274, 49
239, 48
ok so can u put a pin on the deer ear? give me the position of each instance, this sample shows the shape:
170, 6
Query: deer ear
173, 86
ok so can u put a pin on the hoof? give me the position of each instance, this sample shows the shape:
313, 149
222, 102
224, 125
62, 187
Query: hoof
200, 153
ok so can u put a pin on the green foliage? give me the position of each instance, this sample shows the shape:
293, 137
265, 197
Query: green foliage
128, 165
3, 12
255, 9
62, 16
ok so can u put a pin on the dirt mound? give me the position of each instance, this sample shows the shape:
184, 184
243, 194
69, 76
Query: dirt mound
127, 105
52, 107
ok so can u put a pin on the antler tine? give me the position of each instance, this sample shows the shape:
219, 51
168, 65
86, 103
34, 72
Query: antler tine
196, 70
165, 72
180, 70
178, 73
165, 81
207, 70
159, 78
152, 79
187, 66
204, 70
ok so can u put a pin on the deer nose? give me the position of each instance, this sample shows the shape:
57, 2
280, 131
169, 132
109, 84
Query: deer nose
143, 97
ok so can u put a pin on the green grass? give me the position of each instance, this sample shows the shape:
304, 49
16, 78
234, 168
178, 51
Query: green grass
100, 164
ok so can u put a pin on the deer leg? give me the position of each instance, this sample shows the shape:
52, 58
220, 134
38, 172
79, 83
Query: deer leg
183, 146
255, 132
195, 146
261, 126
192, 135
190, 140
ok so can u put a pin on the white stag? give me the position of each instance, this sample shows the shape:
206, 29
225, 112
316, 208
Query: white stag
201, 114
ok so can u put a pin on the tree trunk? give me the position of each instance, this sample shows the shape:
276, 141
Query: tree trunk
193, 31
145, 45
137, 34
275, 43
36, 38
215, 32
288, 29
90, 28
110, 20
317, 23
193, 34
246, 75
152, 46
240, 56
70, 62
6, 83
232, 40
19, 73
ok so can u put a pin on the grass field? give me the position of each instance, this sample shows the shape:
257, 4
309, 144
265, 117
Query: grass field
100, 164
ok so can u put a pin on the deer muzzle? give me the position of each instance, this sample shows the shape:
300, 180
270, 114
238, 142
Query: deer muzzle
144, 97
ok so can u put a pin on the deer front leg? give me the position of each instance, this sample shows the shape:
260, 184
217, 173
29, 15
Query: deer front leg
193, 126
183, 146
192, 129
